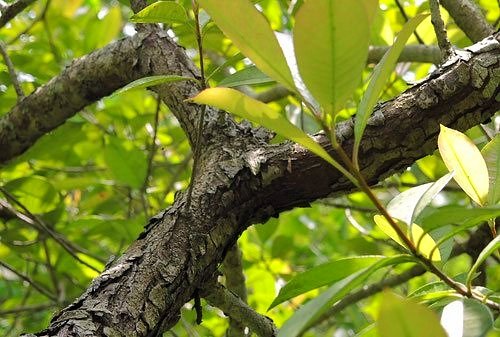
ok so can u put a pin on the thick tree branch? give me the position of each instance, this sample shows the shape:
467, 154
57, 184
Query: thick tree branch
244, 180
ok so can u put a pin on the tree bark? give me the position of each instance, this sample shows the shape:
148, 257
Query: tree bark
242, 179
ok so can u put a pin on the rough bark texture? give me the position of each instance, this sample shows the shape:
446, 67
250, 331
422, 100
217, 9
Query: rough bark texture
244, 180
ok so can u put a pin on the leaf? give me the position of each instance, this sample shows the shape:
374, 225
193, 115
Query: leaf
331, 40
405, 318
424, 243
466, 318
380, 76
249, 30
491, 155
490, 249
322, 275
317, 306
151, 81
127, 166
407, 205
460, 154
36, 193
161, 12
229, 62
243, 106
247, 76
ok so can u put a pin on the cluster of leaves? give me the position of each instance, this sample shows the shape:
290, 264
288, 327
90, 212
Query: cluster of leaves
97, 178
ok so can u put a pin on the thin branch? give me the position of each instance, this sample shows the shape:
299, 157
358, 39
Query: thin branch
405, 16
440, 30
12, 72
10, 12
469, 18
27, 308
368, 291
41, 289
218, 296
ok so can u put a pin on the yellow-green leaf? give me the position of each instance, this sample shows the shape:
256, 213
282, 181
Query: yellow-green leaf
161, 12
460, 154
255, 111
249, 30
331, 40
424, 242
404, 318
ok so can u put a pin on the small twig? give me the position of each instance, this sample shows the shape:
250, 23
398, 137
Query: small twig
27, 308
218, 296
12, 72
405, 16
41, 289
440, 30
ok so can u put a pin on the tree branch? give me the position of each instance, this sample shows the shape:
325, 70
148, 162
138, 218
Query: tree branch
10, 12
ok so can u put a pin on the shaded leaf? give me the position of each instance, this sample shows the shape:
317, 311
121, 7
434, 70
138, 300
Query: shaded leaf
461, 155
424, 243
151, 81
161, 12
380, 76
322, 275
405, 318
491, 154
247, 76
249, 30
331, 63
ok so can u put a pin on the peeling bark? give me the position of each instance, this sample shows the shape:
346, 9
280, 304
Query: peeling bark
244, 180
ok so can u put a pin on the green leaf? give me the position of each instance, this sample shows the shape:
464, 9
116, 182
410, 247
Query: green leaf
249, 30
380, 76
466, 318
161, 12
460, 154
127, 165
151, 81
36, 193
229, 62
331, 39
491, 154
490, 249
424, 243
243, 106
457, 215
405, 318
407, 205
313, 309
247, 76
322, 275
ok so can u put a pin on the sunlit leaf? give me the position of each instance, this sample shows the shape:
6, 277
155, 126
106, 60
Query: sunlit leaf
491, 154
243, 106
331, 63
424, 243
249, 30
404, 318
317, 306
381, 74
460, 154
151, 81
490, 249
247, 76
322, 275
36, 193
161, 12
466, 318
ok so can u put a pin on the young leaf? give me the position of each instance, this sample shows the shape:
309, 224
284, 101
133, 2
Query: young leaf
405, 318
424, 242
490, 249
243, 106
322, 275
151, 81
460, 154
249, 30
246, 76
317, 306
491, 154
379, 78
331, 63
161, 12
